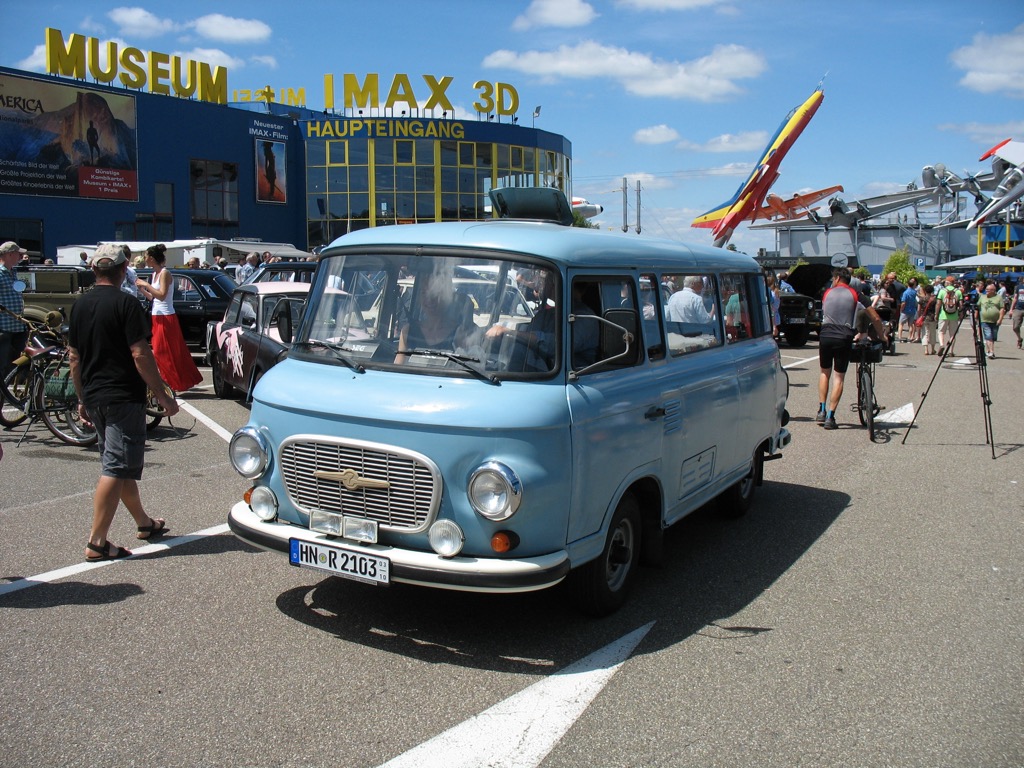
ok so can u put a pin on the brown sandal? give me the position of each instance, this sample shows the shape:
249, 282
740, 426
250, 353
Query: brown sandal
107, 552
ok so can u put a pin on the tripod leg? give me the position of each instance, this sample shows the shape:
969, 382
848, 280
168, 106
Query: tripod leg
924, 395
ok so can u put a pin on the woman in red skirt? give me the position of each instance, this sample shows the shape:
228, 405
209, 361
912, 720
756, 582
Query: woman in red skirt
172, 355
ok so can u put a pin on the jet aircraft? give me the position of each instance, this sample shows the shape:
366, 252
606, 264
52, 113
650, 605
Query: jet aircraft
585, 208
723, 219
843, 214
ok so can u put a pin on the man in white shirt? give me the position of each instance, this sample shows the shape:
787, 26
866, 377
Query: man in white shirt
687, 305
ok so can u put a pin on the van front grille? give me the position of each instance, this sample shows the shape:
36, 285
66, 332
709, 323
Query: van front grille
399, 490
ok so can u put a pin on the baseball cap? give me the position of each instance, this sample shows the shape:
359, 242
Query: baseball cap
11, 247
111, 253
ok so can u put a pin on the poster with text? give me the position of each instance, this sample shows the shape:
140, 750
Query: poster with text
65, 141
271, 172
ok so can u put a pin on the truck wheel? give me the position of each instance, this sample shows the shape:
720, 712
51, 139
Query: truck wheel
797, 337
602, 585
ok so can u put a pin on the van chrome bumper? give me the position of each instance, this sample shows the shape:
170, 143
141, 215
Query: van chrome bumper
467, 574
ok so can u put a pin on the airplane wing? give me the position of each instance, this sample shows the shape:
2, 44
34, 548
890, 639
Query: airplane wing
1009, 150
1010, 189
723, 219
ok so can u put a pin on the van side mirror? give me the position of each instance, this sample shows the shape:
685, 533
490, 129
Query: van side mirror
620, 337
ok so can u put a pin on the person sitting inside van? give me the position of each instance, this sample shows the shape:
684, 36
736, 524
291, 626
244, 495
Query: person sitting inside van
441, 317
687, 305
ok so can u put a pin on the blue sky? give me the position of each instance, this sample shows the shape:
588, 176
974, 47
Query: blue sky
680, 95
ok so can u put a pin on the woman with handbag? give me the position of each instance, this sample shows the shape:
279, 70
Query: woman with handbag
927, 320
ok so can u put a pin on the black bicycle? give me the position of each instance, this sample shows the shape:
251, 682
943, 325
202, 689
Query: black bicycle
867, 352
39, 386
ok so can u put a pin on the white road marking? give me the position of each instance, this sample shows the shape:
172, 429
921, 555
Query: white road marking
71, 570
801, 362
520, 731
899, 417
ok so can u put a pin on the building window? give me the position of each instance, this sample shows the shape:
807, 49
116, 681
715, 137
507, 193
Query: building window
28, 233
214, 194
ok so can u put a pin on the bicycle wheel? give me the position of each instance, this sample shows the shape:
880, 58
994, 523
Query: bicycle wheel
55, 396
867, 400
860, 395
14, 396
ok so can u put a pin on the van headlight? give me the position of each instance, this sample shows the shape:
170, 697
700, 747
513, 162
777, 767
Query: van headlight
249, 454
495, 491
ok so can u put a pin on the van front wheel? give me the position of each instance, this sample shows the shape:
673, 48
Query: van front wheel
602, 585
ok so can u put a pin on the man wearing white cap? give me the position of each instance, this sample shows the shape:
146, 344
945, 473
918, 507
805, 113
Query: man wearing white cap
112, 365
13, 333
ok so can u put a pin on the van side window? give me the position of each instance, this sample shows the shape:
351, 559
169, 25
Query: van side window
691, 315
736, 308
614, 299
760, 308
650, 316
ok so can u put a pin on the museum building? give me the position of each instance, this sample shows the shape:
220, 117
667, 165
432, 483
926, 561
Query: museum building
84, 160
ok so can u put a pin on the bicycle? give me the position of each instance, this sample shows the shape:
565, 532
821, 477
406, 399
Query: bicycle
39, 386
867, 352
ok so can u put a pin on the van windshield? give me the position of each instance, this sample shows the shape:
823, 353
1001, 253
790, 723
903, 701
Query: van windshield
462, 315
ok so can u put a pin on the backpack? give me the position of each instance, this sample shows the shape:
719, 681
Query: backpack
950, 305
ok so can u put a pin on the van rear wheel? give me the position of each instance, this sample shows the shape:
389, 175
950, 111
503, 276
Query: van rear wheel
602, 585
736, 501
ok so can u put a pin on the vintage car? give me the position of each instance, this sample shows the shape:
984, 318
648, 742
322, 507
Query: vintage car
284, 271
200, 296
49, 287
247, 342
800, 312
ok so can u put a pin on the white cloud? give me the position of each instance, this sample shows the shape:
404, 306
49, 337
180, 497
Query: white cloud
993, 63
748, 141
88, 24
216, 26
666, 5
656, 134
987, 134
212, 56
709, 78
34, 62
648, 181
555, 13
138, 22
265, 61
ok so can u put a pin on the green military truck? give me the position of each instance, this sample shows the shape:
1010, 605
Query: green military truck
49, 288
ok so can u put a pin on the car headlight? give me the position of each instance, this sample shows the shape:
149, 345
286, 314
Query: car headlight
248, 453
446, 538
263, 503
495, 491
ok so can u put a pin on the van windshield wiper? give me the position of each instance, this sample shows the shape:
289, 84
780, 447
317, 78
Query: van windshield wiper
469, 363
340, 353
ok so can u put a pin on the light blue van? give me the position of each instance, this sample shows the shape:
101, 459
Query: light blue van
497, 406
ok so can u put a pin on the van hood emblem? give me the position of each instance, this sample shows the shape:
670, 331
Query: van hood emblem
350, 479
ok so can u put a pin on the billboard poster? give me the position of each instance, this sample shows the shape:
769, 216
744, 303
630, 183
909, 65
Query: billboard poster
66, 141
271, 172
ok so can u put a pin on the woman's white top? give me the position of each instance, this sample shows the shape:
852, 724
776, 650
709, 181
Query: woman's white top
163, 306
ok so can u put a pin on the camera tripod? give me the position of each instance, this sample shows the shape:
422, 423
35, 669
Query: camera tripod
980, 363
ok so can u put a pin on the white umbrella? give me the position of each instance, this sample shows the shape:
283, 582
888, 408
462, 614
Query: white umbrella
982, 260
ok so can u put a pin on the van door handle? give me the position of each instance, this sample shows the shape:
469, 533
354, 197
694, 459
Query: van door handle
654, 412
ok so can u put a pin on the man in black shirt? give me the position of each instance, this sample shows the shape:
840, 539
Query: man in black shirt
112, 364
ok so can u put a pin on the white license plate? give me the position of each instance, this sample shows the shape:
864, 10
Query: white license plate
347, 563
797, 320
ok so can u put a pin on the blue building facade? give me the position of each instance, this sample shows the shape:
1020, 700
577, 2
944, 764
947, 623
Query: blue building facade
82, 163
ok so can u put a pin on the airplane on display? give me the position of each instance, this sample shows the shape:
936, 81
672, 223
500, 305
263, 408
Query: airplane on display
1009, 157
585, 208
745, 204
850, 214
776, 207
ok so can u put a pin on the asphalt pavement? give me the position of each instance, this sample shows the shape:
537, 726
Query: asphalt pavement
866, 612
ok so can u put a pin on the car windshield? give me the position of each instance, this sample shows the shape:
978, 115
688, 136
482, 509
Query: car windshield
465, 315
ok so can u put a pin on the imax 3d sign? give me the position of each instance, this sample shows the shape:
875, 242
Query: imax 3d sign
499, 98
